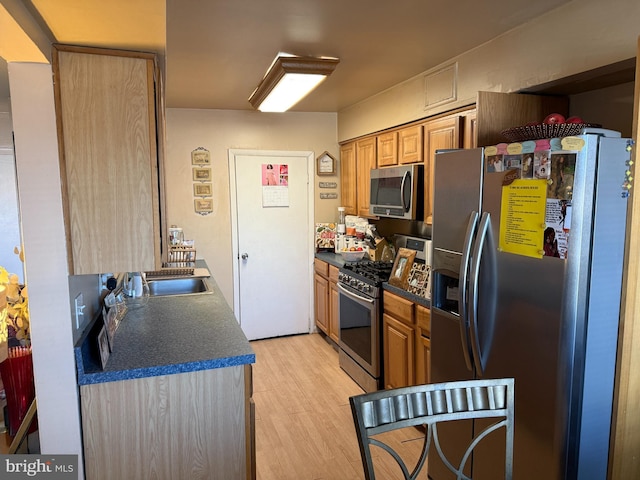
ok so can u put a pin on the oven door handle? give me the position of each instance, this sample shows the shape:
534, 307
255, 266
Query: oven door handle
351, 294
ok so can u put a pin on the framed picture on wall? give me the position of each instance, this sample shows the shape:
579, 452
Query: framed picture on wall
326, 164
203, 205
202, 190
202, 174
200, 156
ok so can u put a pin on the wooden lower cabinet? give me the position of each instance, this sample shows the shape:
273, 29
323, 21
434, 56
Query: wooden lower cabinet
334, 312
186, 425
399, 340
406, 342
423, 345
321, 294
325, 287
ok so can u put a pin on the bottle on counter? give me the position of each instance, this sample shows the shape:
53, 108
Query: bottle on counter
342, 217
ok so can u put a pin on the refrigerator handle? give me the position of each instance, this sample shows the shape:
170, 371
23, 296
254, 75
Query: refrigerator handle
463, 294
405, 177
483, 228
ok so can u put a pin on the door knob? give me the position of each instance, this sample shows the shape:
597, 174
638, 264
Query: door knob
245, 256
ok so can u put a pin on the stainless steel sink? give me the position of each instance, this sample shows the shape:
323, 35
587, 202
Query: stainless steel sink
179, 286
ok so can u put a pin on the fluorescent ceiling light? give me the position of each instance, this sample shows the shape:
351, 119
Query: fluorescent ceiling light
288, 80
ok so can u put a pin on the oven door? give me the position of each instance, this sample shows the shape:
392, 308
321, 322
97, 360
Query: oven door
360, 329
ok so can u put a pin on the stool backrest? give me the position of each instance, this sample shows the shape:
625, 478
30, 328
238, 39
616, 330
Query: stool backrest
428, 405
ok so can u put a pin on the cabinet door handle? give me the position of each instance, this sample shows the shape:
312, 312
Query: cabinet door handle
245, 256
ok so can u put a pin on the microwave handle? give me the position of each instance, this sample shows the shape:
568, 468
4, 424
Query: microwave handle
405, 177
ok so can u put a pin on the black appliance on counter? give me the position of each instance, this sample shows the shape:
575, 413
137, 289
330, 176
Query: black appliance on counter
360, 306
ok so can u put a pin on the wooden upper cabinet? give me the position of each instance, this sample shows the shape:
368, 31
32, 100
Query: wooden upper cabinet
443, 133
498, 111
348, 178
387, 149
470, 129
366, 161
106, 111
410, 145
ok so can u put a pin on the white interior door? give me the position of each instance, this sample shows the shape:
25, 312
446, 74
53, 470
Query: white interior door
272, 242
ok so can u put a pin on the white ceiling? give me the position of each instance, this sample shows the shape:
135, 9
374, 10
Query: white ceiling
216, 51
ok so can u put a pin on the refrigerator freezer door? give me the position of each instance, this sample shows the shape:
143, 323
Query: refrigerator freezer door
458, 179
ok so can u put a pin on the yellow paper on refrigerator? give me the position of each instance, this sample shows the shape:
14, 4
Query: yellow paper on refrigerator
522, 218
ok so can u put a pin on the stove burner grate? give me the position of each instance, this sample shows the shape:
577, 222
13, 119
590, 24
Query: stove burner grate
374, 271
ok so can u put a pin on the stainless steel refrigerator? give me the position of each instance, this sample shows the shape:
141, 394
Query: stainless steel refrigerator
528, 247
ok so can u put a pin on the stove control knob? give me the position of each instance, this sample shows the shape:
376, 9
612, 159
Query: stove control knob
361, 286
367, 288
353, 282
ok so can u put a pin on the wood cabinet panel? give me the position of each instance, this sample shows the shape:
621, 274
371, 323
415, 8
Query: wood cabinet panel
423, 359
399, 341
333, 273
470, 130
320, 267
387, 149
189, 425
438, 134
109, 161
326, 299
348, 178
410, 148
400, 308
498, 111
366, 161
423, 319
334, 312
321, 297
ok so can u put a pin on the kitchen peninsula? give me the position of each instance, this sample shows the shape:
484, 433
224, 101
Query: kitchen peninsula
174, 400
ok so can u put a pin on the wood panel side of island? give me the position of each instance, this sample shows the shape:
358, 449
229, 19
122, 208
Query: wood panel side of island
187, 425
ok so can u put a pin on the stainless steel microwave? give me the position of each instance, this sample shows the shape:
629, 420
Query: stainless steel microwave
397, 192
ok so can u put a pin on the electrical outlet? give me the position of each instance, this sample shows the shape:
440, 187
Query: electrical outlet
79, 304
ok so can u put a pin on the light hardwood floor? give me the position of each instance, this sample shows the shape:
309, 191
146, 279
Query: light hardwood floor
304, 427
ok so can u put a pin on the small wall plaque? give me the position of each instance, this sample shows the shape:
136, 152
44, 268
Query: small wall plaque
326, 164
324, 196
328, 184
200, 156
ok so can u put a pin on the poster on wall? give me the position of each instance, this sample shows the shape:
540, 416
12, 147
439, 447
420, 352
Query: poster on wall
275, 185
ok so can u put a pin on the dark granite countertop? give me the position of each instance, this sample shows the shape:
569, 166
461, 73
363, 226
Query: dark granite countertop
169, 335
331, 258
336, 260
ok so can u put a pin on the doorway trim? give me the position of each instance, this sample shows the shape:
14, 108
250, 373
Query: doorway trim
233, 205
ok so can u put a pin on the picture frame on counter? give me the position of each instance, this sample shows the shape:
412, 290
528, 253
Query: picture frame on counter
202, 174
202, 190
325, 164
402, 267
103, 347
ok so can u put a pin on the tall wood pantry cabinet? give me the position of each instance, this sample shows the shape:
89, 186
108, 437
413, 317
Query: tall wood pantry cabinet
106, 107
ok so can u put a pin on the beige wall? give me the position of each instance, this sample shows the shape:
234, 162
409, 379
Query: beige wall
36, 144
218, 131
574, 38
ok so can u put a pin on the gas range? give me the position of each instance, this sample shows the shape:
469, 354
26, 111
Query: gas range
365, 276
